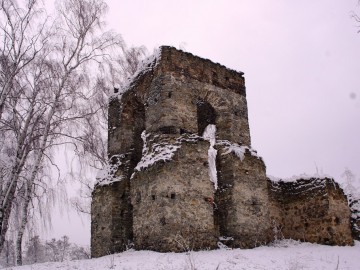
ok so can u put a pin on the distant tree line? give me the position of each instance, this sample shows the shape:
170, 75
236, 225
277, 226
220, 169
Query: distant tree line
38, 251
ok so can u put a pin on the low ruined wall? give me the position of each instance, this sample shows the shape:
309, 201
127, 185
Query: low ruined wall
313, 210
111, 219
202, 70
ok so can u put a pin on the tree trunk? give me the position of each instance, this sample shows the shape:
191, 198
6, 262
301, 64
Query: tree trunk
24, 219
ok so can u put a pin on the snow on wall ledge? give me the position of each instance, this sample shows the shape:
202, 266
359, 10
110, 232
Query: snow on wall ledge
238, 150
303, 176
157, 148
153, 152
107, 175
146, 65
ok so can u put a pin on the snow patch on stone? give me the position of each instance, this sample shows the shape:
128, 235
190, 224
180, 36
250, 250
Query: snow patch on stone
106, 176
145, 65
226, 238
209, 135
238, 150
158, 151
303, 176
303, 183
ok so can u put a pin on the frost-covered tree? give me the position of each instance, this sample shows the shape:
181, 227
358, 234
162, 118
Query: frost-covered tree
64, 248
58, 250
54, 250
19, 114
353, 196
35, 251
7, 256
79, 253
47, 92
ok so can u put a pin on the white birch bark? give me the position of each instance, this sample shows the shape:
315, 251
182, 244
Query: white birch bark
76, 49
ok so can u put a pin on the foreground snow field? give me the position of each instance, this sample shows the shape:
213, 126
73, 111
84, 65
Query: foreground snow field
287, 254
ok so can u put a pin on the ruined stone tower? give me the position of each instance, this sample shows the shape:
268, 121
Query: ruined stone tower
182, 173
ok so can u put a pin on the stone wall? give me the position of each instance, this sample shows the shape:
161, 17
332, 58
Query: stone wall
111, 219
159, 195
181, 82
313, 210
173, 201
242, 199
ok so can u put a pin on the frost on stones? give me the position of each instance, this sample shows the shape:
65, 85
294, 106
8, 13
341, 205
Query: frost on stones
153, 152
238, 150
107, 175
145, 66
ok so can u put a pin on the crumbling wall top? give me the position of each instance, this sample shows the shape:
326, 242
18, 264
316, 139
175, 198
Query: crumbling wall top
204, 70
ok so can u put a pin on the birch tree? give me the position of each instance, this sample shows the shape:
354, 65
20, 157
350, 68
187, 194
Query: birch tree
19, 49
46, 89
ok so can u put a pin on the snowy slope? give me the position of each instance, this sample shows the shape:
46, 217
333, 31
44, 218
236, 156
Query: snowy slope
286, 255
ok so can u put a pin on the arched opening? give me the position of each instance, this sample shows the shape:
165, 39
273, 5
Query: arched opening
205, 115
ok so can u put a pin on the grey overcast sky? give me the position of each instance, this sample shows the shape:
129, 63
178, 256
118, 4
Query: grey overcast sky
302, 68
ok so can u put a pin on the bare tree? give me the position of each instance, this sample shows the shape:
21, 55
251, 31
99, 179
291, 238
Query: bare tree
46, 91
59, 250
7, 257
35, 251
19, 50
353, 197
356, 17
92, 152
56, 250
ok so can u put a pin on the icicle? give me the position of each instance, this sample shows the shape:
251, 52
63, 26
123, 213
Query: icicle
209, 135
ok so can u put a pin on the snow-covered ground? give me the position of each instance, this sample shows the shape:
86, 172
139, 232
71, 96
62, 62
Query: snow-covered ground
290, 255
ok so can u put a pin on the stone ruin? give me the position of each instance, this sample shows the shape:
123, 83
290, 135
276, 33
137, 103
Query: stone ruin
182, 174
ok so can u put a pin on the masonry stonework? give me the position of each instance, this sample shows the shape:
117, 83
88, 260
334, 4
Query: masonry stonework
159, 194
312, 210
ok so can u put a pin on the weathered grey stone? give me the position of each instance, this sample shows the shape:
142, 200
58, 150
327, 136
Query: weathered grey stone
161, 197
243, 199
111, 219
173, 202
313, 210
